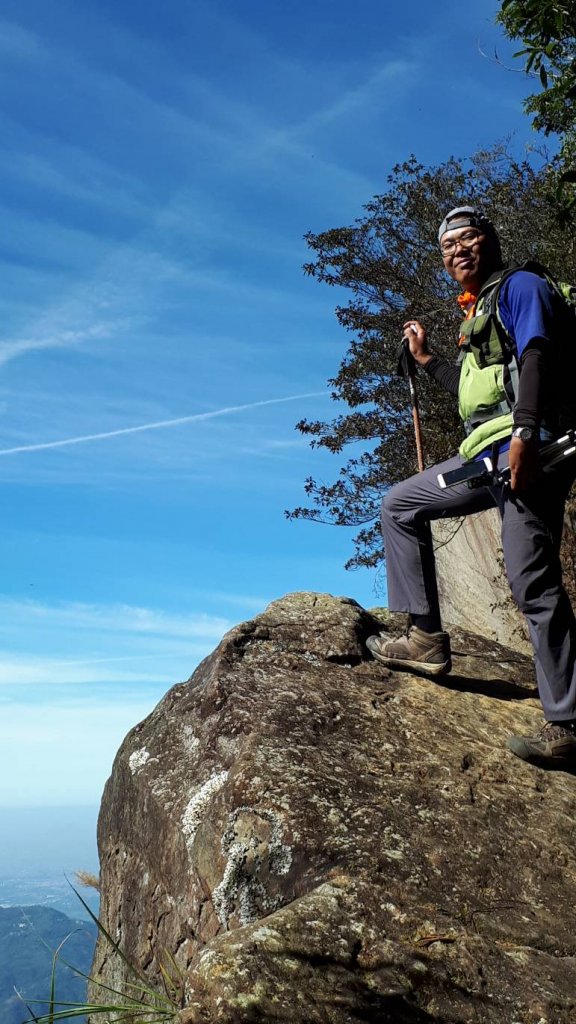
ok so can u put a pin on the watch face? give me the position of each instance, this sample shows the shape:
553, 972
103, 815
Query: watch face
524, 433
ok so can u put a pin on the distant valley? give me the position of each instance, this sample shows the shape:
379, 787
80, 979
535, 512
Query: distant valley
47, 890
28, 934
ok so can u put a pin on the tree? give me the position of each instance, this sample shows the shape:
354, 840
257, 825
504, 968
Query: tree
547, 28
389, 262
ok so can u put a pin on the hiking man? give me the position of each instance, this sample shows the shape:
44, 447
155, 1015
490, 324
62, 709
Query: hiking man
509, 396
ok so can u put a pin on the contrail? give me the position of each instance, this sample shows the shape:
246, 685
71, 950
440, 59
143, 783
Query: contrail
197, 418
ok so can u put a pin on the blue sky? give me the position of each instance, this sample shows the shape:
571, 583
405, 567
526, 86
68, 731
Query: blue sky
161, 163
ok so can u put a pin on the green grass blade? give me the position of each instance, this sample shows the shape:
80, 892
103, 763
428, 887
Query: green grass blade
125, 1012
140, 1002
139, 987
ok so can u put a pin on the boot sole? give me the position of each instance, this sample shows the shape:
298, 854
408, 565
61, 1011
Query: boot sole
427, 668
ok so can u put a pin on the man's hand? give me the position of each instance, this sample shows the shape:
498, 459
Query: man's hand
418, 342
524, 464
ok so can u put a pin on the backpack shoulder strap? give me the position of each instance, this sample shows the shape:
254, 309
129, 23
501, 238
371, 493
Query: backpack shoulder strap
490, 293
491, 288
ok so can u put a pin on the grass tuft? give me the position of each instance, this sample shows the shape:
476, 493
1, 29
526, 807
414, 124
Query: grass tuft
136, 1003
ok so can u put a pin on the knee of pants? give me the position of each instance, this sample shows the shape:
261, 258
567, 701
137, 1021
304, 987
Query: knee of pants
531, 590
389, 502
532, 565
519, 588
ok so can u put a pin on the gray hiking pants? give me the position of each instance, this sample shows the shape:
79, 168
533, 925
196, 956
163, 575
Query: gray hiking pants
531, 534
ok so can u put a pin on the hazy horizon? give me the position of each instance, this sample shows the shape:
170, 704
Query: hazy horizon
48, 841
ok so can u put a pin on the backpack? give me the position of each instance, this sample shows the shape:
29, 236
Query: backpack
490, 288
487, 304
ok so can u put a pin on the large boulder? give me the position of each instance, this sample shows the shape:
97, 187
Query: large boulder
472, 584
296, 834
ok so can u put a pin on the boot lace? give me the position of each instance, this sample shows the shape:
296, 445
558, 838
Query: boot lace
556, 731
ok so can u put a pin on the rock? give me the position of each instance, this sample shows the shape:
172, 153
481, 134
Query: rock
311, 838
472, 584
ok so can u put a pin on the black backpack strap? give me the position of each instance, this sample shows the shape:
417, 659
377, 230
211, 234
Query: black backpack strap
490, 292
491, 288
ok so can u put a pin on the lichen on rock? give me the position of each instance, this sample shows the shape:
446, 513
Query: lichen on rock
313, 838
138, 759
198, 804
252, 854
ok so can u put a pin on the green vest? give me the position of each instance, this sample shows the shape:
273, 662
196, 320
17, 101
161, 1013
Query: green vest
488, 367
489, 374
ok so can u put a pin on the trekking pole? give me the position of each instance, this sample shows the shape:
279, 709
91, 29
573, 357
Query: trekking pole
407, 368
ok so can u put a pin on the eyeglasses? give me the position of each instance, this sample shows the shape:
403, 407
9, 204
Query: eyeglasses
466, 241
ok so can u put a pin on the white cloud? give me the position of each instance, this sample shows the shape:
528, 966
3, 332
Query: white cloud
123, 279
74, 174
66, 338
64, 717
376, 87
114, 618
43, 671
123, 619
75, 644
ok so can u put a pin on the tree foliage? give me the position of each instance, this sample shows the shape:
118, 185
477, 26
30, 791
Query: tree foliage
547, 29
388, 260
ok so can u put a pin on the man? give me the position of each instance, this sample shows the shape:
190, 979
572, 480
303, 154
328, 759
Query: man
515, 412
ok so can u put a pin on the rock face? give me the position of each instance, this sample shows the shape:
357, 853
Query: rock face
474, 592
313, 839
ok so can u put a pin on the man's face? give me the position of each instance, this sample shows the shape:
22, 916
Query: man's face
469, 256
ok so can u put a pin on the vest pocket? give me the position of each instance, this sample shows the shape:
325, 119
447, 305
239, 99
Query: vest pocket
483, 339
481, 391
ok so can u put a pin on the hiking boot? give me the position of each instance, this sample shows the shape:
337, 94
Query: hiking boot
426, 652
556, 741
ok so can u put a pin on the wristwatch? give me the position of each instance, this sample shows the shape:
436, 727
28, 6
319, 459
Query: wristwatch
524, 433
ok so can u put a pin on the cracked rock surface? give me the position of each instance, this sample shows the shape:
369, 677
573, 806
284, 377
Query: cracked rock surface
312, 838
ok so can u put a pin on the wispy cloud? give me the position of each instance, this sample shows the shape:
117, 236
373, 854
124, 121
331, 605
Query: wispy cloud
18, 42
378, 85
160, 424
72, 173
41, 671
122, 278
65, 339
113, 618
114, 643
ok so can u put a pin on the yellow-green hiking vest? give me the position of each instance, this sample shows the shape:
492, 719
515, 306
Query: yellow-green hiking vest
484, 403
489, 373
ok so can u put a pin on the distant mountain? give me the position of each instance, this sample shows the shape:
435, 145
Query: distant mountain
26, 962
46, 889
